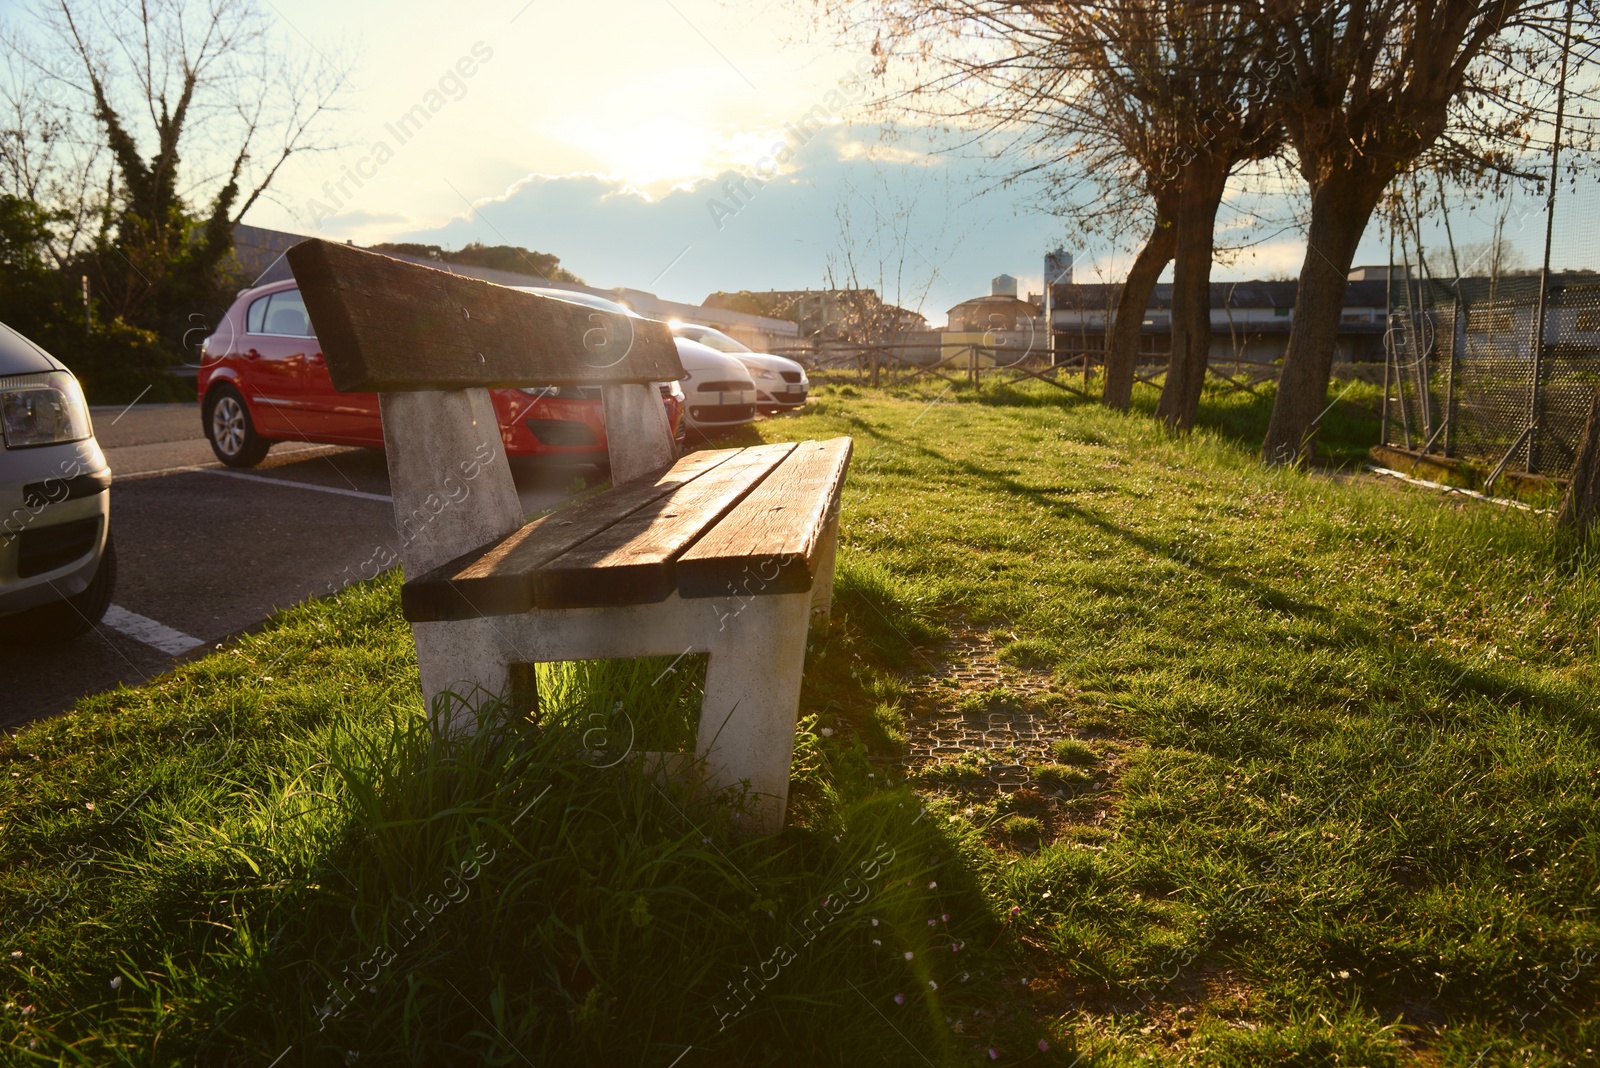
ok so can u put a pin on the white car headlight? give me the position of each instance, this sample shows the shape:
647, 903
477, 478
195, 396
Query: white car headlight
762, 372
43, 409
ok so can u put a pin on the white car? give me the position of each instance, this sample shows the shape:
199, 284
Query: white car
589, 300
781, 383
717, 389
57, 562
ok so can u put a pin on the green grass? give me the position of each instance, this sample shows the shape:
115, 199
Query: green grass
1073, 751
1342, 801
1355, 816
281, 855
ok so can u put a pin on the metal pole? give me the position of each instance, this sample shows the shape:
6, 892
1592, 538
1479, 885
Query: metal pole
1450, 370
1549, 231
1413, 344
1388, 326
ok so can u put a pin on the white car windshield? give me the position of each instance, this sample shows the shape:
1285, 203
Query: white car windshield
712, 339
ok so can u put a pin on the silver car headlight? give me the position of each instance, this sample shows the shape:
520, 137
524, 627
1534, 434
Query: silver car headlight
42, 409
762, 372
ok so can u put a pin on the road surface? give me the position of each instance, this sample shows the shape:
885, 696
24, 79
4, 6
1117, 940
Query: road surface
205, 551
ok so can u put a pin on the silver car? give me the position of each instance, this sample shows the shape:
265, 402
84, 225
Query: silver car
57, 563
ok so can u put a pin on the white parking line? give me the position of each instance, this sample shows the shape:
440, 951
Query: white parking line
384, 497
169, 641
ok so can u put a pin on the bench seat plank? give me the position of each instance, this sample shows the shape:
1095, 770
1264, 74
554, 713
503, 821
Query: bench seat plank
497, 580
632, 561
769, 543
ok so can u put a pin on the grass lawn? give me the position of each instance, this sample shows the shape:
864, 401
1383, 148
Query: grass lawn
1317, 782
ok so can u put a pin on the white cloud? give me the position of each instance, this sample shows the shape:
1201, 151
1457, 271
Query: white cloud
741, 232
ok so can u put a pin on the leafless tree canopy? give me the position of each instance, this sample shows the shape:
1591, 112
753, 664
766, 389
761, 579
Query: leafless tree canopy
116, 107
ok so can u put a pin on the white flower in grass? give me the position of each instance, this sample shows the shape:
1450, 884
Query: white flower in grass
16, 954
116, 982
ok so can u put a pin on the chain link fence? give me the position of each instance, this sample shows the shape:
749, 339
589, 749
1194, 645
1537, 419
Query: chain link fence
1500, 368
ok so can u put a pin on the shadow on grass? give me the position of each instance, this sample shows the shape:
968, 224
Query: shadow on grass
1449, 674
1348, 429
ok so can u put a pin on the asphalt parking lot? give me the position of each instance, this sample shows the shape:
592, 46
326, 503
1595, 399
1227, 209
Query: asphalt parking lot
205, 552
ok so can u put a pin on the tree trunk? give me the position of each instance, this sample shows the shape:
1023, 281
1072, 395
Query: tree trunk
1203, 183
1580, 511
1122, 349
1340, 208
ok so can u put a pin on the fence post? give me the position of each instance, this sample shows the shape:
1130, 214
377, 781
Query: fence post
1383, 433
1457, 335
1549, 230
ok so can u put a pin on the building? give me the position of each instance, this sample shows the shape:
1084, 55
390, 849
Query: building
1249, 320
823, 315
1001, 310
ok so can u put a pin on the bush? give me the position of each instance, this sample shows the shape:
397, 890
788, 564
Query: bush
117, 363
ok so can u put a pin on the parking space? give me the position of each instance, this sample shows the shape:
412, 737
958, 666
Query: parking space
205, 551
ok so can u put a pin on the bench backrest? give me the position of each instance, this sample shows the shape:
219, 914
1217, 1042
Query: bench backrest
432, 344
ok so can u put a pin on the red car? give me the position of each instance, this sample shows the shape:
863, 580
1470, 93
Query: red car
263, 379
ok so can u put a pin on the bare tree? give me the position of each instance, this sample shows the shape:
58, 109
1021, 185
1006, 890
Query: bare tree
207, 84
1149, 103
877, 278
1368, 88
1204, 66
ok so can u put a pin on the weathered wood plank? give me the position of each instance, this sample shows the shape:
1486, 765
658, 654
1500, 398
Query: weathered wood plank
386, 325
498, 580
769, 542
631, 562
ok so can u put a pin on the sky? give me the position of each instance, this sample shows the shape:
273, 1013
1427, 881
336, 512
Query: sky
690, 146
669, 146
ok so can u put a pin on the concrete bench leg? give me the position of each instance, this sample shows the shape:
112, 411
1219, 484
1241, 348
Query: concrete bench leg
470, 659
757, 650
822, 584
752, 697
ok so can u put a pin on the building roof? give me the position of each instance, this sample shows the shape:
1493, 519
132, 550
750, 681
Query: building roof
997, 299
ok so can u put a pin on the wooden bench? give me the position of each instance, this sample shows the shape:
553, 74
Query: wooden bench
727, 552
